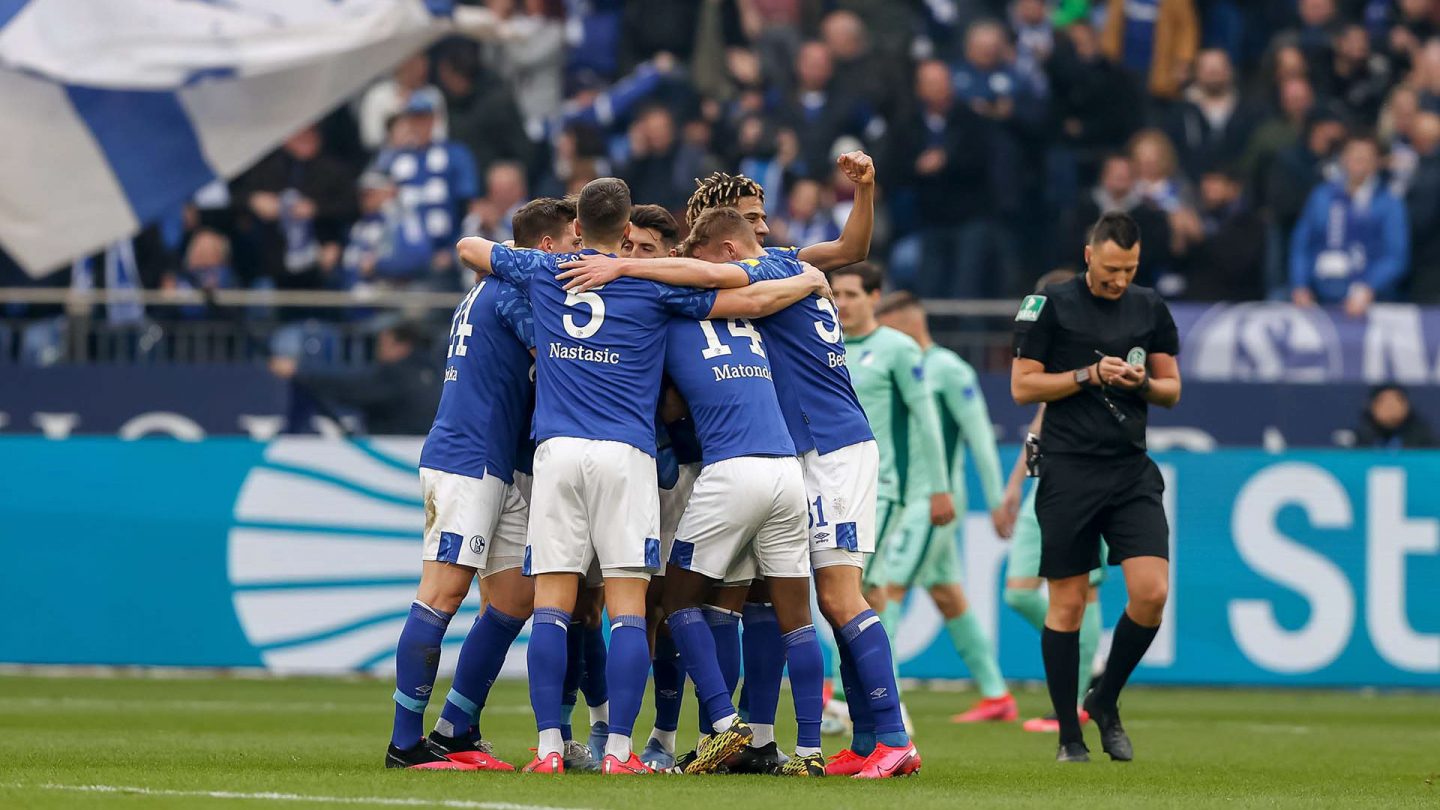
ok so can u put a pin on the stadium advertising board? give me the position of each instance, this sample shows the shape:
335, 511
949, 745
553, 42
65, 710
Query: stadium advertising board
301, 554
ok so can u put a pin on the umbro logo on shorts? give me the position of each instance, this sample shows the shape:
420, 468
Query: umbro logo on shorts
878, 692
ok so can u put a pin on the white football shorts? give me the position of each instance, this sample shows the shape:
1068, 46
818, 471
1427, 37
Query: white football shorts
475, 522
840, 487
672, 506
739, 502
593, 500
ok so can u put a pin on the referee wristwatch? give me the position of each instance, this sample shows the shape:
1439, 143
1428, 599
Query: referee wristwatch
1083, 376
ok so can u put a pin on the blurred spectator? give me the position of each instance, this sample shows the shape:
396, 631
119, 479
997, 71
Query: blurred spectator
986, 78
1426, 76
1352, 243
1229, 262
435, 178
1279, 131
1119, 191
1283, 61
483, 114
659, 167
1094, 99
820, 111
1389, 422
396, 396
1034, 42
1319, 22
298, 201
872, 78
941, 155
1160, 183
207, 268
1298, 170
505, 193
1423, 203
807, 220
1410, 24
652, 27
1397, 123
526, 47
387, 98
765, 153
1155, 40
388, 244
1355, 76
1212, 125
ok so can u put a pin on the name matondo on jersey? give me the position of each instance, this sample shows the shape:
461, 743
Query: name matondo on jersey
563, 352
836, 360
730, 371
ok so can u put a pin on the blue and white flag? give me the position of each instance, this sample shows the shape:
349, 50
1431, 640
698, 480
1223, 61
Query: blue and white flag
118, 110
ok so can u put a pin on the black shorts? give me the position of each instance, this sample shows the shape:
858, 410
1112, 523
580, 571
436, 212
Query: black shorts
1082, 498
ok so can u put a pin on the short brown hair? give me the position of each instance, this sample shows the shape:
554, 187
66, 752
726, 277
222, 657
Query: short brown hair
898, 301
656, 218
539, 218
720, 190
871, 277
604, 209
718, 223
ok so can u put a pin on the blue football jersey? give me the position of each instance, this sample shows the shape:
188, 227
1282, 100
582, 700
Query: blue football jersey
598, 353
484, 405
514, 308
807, 354
721, 369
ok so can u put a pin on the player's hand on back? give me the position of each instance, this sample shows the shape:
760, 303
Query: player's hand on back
858, 167
942, 509
818, 280
1004, 522
591, 271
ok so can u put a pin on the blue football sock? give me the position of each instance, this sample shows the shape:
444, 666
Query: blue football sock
481, 657
593, 678
870, 649
546, 661
764, 662
725, 628
669, 683
807, 683
628, 671
417, 659
862, 721
692, 634
574, 668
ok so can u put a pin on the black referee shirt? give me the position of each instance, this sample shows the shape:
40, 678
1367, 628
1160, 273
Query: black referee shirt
1063, 327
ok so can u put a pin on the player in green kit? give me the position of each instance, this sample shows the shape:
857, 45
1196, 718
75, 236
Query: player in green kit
921, 555
889, 376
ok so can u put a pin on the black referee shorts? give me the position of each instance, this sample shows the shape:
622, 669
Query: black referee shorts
1082, 498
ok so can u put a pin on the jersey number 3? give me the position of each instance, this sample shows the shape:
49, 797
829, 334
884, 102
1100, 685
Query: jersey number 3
597, 314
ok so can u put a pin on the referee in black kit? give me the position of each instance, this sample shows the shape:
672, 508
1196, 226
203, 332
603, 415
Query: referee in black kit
1099, 351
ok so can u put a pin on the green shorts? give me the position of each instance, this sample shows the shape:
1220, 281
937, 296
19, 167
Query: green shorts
887, 519
920, 555
1024, 560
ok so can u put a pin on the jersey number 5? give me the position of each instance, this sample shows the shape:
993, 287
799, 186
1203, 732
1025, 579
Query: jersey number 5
739, 327
597, 314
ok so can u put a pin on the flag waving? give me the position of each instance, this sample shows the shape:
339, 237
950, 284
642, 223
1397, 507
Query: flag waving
119, 110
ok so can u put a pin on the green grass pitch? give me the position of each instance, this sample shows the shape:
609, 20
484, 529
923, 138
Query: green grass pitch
236, 743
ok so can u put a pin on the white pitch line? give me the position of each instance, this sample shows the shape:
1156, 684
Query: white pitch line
463, 804
144, 704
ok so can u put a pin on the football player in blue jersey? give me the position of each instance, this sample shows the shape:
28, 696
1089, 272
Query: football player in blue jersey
841, 462
750, 497
597, 385
475, 484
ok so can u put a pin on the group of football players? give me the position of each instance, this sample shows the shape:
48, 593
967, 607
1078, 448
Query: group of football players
673, 433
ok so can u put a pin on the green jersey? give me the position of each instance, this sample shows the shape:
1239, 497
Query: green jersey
888, 373
964, 424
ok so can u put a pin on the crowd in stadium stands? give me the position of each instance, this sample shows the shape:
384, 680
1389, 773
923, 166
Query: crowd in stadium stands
1270, 149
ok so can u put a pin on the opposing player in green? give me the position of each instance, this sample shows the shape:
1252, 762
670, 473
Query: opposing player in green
888, 372
921, 555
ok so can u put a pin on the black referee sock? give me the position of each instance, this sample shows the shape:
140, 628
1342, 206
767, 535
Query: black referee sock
1061, 652
1130, 642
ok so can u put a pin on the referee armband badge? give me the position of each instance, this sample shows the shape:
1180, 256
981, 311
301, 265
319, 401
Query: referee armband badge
1030, 308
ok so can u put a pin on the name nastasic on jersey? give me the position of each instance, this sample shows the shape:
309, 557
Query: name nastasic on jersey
560, 351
